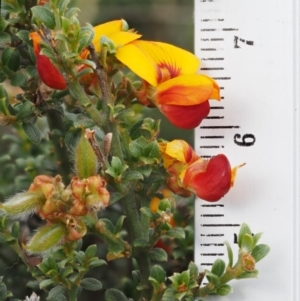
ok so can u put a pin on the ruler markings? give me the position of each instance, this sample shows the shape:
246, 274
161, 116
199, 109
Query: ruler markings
212, 146
212, 137
212, 127
212, 215
220, 225
212, 68
214, 117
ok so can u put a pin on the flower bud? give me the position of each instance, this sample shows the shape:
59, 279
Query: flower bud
248, 262
46, 238
86, 163
76, 228
23, 204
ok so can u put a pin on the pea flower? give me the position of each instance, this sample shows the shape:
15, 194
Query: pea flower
210, 179
48, 73
170, 81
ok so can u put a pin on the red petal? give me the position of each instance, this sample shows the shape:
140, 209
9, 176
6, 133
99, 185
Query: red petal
49, 74
212, 184
186, 117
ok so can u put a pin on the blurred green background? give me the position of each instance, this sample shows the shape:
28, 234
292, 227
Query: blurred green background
168, 21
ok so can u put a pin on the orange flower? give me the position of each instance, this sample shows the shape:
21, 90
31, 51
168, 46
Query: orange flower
46, 70
170, 81
210, 179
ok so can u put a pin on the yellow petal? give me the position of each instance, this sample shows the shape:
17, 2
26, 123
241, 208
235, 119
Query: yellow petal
106, 29
185, 90
145, 58
114, 31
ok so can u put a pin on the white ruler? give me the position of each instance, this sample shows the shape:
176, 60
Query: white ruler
251, 47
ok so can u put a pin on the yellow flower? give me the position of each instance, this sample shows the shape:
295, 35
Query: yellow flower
170, 81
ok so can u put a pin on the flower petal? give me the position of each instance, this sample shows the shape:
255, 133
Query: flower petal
211, 184
145, 58
185, 90
177, 150
186, 117
115, 32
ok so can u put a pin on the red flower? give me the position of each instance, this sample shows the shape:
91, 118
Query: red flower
47, 71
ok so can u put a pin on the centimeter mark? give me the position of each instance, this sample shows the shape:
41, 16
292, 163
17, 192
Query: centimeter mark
219, 29
220, 127
220, 225
212, 137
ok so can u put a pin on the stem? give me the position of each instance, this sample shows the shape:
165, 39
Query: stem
141, 254
55, 121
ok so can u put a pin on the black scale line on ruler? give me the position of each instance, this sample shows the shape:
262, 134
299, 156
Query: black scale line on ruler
212, 39
212, 244
213, 127
212, 235
212, 215
212, 146
220, 225
212, 137
219, 29
214, 117
212, 254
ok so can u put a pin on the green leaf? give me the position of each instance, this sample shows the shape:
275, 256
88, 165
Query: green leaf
246, 275
45, 15
243, 230
91, 251
114, 197
224, 290
24, 110
194, 272
57, 294
14, 60
132, 175
32, 132
15, 230
247, 242
24, 36
260, 251
158, 273
91, 284
19, 79
147, 212
85, 37
96, 263
4, 38
218, 267
158, 255
45, 283
176, 233
7, 55
212, 277
229, 253
119, 224
113, 294
256, 238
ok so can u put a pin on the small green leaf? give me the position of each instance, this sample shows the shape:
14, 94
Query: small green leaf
260, 251
91, 284
247, 242
114, 197
96, 263
147, 212
24, 36
45, 283
224, 290
113, 294
158, 255
176, 233
57, 294
158, 273
119, 224
132, 175
194, 272
91, 251
229, 253
243, 230
15, 230
24, 110
256, 238
19, 79
4, 38
212, 277
218, 267
32, 132
45, 15
246, 275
